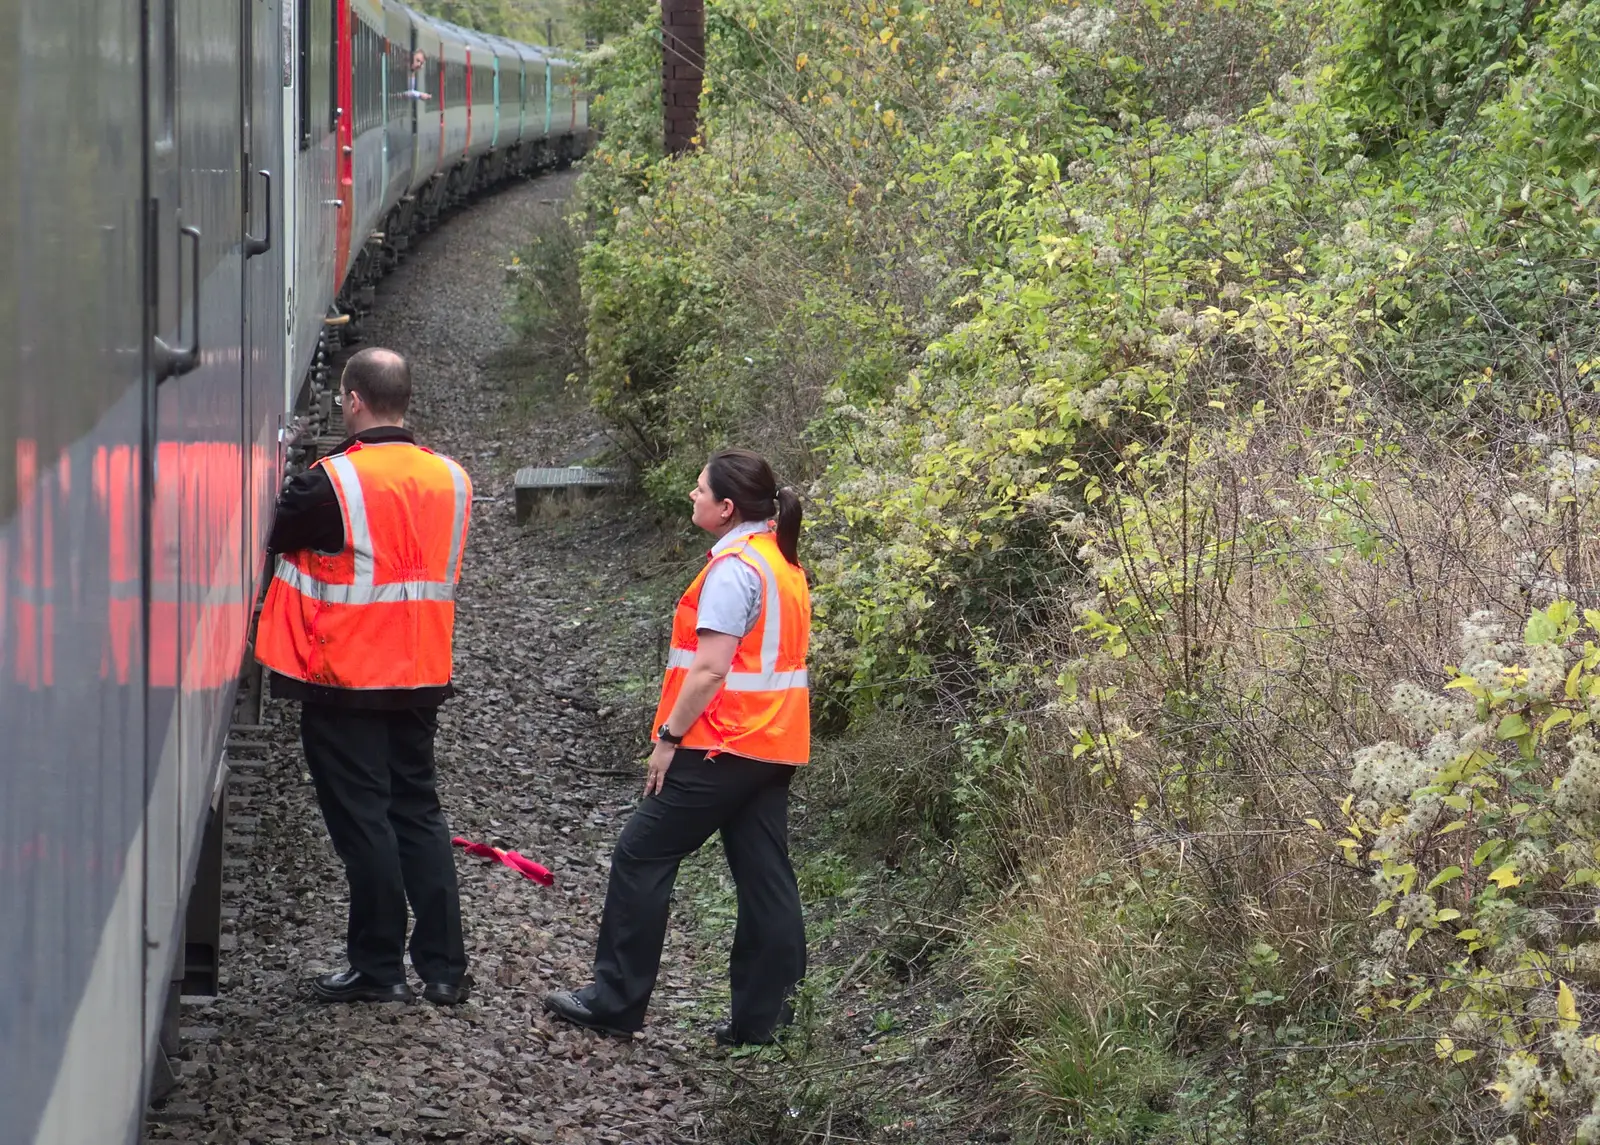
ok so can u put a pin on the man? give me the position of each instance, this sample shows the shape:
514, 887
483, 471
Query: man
414, 89
357, 626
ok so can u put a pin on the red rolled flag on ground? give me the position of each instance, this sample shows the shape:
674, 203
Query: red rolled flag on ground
523, 865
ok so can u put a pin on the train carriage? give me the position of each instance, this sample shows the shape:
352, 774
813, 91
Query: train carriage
196, 196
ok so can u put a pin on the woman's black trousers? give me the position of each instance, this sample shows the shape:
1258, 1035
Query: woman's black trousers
748, 802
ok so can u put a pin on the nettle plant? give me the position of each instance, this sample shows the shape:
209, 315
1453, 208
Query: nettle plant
1485, 850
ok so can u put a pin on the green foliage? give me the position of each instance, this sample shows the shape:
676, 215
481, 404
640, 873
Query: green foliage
1480, 847
548, 306
1159, 372
523, 20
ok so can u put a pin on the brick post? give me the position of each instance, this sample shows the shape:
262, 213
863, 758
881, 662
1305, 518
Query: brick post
683, 53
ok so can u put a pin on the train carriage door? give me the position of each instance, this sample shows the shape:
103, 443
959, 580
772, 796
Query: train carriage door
195, 419
171, 340
345, 73
264, 300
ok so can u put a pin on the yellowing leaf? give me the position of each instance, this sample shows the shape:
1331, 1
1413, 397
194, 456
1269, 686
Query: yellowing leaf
888, 118
1504, 876
1559, 716
1449, 914
800, 61
1566, 1007
1444, 1047
1463, 1056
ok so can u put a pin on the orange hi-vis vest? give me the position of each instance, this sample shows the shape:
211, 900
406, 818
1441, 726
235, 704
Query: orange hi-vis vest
763, 710
380, 613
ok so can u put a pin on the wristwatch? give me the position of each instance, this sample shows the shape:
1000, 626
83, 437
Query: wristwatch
664, 733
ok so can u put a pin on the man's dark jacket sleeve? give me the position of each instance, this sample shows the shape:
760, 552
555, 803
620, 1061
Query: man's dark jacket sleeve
308, 515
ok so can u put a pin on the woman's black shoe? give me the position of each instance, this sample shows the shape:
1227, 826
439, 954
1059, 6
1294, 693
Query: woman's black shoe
441, 994
354, 986
566, 1004
725, 1036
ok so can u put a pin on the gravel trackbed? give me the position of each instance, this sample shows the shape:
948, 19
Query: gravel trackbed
535, 755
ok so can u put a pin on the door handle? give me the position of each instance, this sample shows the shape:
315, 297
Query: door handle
255, 246
168, 362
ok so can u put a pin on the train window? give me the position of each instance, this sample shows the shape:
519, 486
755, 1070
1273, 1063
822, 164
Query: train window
333, 68
318, 87
398, 63
367, 47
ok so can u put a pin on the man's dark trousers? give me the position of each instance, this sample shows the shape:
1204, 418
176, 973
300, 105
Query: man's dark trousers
748, 801
374, 775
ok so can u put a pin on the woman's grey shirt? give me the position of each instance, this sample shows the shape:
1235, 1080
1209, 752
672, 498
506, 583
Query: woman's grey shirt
730, 596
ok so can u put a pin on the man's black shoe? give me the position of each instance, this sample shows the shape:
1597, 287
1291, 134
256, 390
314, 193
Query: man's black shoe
354, 986
725, 1036
566, 1004
444, 994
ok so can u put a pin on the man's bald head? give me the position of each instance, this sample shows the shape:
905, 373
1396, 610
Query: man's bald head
382, 378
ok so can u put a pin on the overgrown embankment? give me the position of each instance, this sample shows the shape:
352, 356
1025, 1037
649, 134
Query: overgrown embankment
1195, 403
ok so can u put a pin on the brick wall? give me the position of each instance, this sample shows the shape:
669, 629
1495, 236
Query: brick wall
683, 33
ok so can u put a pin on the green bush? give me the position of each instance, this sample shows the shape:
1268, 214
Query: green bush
1159, 373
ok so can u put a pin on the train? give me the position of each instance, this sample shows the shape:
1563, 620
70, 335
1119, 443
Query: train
197, 198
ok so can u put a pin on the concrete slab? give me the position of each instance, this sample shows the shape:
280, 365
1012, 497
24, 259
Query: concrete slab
566, 487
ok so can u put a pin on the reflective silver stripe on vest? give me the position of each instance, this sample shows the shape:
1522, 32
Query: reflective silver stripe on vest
395, 592
747, 681
767, 681
458, 523
772, 633
359, 531
680, 658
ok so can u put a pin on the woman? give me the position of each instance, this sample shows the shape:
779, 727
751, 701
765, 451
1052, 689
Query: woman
732, 724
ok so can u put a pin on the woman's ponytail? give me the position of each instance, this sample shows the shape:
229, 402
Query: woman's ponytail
789, 514
745, 478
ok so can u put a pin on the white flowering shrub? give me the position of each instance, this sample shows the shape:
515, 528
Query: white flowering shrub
1482, 835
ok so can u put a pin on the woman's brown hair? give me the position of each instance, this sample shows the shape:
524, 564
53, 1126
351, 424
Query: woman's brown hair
745, 478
